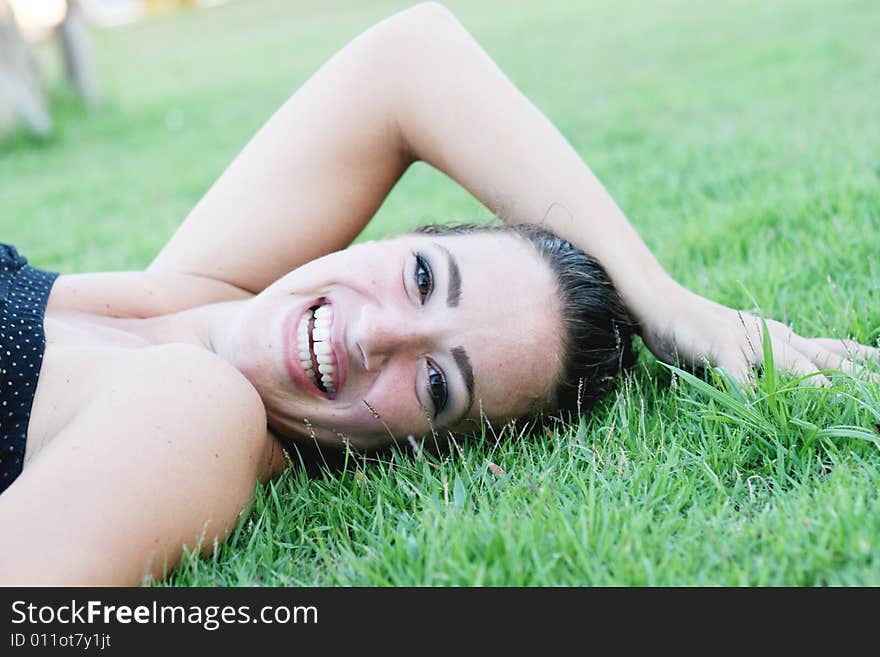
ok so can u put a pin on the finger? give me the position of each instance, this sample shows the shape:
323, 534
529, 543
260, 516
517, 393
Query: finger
849, 357
753, 332
788, 359
827, 360
737, 368
848, 348
822, 357
733, 360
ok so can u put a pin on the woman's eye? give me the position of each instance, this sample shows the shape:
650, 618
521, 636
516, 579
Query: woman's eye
424, 278
437, 390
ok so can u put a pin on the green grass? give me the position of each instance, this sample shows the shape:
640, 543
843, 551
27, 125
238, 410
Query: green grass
742, 140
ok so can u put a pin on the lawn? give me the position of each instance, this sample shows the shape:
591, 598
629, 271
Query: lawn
742, 140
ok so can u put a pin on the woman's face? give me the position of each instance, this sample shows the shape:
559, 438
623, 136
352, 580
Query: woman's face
390, 339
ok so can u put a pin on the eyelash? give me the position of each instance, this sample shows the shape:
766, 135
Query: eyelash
423, 266
438, 391
439, 396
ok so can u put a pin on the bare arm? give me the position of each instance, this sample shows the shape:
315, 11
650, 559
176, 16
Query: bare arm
418, 87
414, 87
138, 293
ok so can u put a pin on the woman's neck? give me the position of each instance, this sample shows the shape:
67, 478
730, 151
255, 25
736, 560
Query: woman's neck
203, 326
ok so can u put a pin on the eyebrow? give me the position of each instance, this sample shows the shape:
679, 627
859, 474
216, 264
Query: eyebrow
462, 360
453, 291
467, 373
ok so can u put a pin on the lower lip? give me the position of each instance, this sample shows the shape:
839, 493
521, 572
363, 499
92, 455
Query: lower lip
291, 355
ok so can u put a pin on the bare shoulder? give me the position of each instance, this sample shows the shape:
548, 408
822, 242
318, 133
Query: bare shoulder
196, 383
166, 453
185, 400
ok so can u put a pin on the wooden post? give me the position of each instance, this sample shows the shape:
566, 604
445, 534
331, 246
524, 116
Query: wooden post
78, 57
22, 94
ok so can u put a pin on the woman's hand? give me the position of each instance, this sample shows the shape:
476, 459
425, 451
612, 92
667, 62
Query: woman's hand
688, 328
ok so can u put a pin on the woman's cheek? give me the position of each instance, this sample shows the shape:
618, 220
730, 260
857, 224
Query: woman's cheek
393, 399
375, 266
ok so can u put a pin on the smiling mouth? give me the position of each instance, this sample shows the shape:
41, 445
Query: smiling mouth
315, 352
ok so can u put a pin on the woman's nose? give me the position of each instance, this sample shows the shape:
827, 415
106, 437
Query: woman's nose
383, 333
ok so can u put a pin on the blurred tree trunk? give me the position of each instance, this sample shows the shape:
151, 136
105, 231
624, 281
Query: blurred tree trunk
22, 95
78, 57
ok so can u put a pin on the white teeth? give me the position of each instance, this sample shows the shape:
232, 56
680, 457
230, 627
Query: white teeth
323, 317
322, 348
302, 336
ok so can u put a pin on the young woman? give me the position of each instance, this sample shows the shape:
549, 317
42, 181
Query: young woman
162, 396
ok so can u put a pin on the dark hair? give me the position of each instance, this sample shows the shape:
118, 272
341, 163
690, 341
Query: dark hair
597, 329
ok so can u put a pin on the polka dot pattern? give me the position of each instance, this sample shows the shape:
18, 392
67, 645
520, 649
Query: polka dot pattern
23, 295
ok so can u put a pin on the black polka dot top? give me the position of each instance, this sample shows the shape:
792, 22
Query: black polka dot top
24, 292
